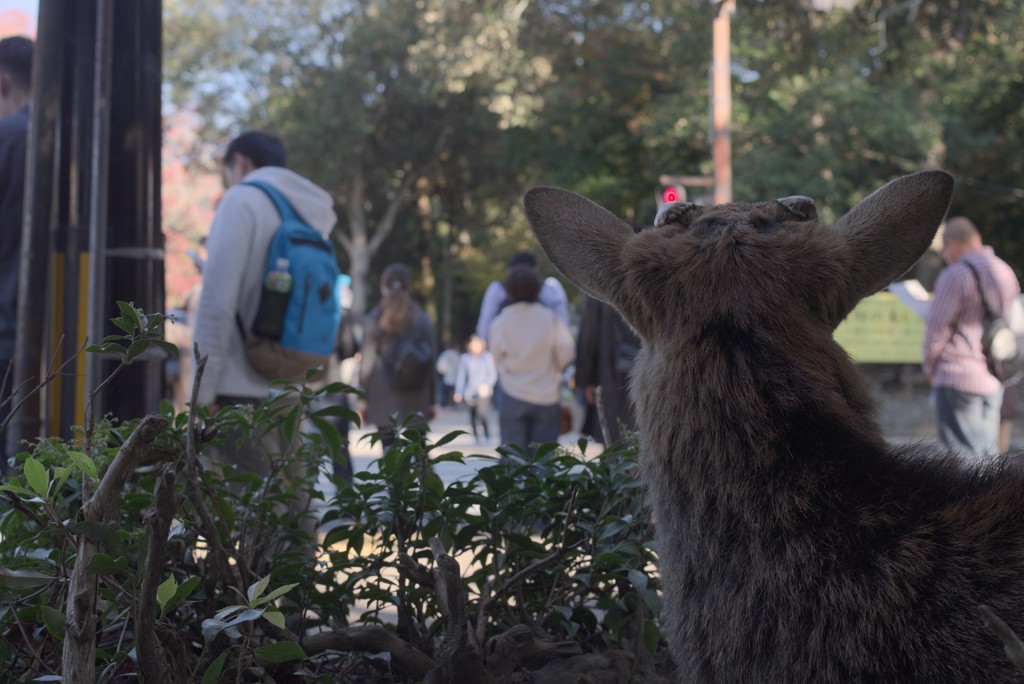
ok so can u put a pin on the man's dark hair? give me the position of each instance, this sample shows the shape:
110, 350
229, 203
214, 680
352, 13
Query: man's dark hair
524, 258
16, 60
522, 284
262, 149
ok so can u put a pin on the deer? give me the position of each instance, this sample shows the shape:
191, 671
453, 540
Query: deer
795, 543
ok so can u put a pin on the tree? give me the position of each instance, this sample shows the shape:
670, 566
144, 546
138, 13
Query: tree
375, 86
831, 104
426, 121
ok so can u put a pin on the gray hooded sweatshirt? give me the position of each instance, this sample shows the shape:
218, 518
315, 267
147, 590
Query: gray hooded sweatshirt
243, 226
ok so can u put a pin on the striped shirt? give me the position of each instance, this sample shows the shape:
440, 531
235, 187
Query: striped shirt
953, 326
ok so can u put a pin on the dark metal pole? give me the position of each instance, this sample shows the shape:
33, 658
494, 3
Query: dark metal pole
133, 265
92, 227
99, 188
40, 214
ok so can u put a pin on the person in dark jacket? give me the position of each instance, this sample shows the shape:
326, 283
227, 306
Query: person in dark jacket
605, 350
15, 94
397, 316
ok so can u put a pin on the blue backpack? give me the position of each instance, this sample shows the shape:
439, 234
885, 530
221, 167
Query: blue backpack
296, 325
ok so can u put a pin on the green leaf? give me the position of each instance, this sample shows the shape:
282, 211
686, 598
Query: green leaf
281, 652
17, 490
274, 617
290, 424
245, 616
84, 463
449, 457
130, 315
184, 590
329, 433
211, 627
171, 349
60, 477
651, 636
338, 388
54, 621
450, 437
165, 592
37, 475
136, 348
107, 348
434, 484
356, 543
608, 559
257, 588
101, 533
545, 449
280, 591
225, 613
20, 580
335, 535
212, 674
638, 579
329, 411
122, 323
104, 564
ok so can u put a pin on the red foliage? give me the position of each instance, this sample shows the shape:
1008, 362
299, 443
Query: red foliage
17, 23
189, 194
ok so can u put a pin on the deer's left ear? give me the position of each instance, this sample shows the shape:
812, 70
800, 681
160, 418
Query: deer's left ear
889, 230
583, 240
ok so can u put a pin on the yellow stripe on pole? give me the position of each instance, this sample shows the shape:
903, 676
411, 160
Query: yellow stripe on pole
56, 320
83, 333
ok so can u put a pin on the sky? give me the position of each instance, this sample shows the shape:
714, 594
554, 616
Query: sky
18, 17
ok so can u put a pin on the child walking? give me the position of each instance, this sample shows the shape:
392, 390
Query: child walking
474, 384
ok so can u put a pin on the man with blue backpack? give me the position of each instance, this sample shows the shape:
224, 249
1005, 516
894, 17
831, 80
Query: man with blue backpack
270, 305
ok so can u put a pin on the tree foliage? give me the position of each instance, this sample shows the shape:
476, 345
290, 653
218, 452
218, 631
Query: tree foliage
427, 120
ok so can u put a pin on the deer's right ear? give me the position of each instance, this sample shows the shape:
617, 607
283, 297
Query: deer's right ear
583, 240
890, 229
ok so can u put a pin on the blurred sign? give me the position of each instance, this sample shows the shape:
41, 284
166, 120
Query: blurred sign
882, 329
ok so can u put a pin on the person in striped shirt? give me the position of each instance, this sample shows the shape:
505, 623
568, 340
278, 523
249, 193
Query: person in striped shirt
965, 396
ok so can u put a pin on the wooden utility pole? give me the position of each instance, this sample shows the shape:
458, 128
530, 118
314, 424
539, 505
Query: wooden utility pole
721, 100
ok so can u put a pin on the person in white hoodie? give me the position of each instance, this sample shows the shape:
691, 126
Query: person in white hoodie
235, 266
531, 346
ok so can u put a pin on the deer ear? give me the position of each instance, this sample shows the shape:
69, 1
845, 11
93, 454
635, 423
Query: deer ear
583, 240
889, 230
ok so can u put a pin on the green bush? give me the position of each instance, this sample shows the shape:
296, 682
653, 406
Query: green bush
560, 544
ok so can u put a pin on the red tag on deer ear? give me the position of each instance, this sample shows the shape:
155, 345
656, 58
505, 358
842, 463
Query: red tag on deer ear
670, 195
324, 292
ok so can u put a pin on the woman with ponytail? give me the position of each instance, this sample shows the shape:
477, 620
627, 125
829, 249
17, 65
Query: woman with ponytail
396, 325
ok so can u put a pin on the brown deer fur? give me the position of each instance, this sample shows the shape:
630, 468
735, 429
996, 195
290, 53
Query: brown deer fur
795, 544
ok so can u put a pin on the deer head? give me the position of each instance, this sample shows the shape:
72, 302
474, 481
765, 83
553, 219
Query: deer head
746, 262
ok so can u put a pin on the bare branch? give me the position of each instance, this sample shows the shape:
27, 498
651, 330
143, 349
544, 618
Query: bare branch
415, 571
387, 222
108, 492
152, 662
191, 486
534, 567
49, 378
372, 639
80, 640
